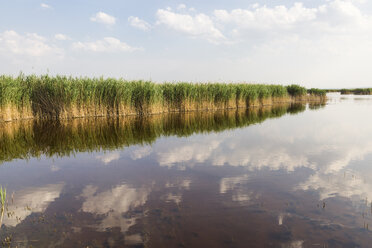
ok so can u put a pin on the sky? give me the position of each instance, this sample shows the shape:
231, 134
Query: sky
317, 43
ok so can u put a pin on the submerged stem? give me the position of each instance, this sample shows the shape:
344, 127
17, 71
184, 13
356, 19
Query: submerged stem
2, 202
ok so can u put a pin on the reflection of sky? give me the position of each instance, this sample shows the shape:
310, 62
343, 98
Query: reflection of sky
234, 185
176, 186
114, 203
330, 150
288, 144
31, 200
109, 157
327, 141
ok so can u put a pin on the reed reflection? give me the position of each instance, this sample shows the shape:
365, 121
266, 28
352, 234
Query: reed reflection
35, 138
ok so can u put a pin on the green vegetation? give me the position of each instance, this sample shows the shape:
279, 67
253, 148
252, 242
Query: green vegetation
317, 92
358, 91
51, 138
47, 97
332, 90
2, 203
296, 90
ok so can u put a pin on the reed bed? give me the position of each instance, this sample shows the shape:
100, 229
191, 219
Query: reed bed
358, 91
61, 97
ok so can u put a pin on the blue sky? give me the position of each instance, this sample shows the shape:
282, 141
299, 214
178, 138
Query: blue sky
315, 43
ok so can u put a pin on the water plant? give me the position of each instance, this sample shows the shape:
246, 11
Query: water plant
2, 202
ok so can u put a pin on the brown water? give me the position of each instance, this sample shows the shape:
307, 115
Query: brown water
290, 176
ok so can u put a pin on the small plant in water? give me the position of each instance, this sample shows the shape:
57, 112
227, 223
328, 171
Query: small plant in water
2, 202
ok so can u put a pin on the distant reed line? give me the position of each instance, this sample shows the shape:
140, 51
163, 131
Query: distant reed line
61, 97
358, 91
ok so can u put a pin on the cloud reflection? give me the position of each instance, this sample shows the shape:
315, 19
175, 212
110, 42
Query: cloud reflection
327, 142
31, 200
141, 152
109, 157
234, 184
113, 204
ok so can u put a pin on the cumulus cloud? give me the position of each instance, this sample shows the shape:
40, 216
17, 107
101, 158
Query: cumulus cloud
234, 185
114, 204
351, 185
181, 6
61, 37
230, 183
109, 157
199, 151
223, 150
107, 44
32, 200
280, 146
138, 23
45, 6
333, 17
141, 152
184, 184
261, 24
104, 18
197, 26
30, 44
330, 42
267, 18
176, 198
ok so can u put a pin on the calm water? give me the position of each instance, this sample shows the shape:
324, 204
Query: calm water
289, 176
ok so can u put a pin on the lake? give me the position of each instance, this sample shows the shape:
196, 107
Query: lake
296, 175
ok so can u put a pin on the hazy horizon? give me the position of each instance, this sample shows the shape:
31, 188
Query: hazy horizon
323, 44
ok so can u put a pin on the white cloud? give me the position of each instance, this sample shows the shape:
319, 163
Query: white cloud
181, 6
45, 6
30, 44
176, 198
234, 185
278, 147
231, 183
107, 44
222, 150
104, 18
138, 23
294, 244
351, 185
113, 204
109, 157
267, 18
32, 200
61, 37
264, 25
141, 152
184, 184
330, 18
198, 26
193, 151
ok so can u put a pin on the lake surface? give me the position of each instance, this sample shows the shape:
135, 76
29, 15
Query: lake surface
287, 176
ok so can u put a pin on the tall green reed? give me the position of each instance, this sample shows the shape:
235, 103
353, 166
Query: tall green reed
49, 96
